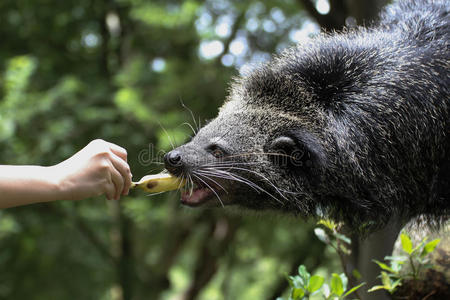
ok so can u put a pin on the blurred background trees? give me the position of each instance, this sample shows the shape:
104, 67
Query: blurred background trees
125, 71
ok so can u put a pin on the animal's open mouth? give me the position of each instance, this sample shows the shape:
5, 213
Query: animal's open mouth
199, 194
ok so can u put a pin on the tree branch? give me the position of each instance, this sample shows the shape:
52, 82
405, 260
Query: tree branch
234, 29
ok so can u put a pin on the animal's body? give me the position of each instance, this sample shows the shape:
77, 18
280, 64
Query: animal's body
353, 125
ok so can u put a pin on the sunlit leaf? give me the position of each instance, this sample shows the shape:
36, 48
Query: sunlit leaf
383, 266
396, 283
315, 283
398, 258
304, 274
336, 284
386, 280
344, 280
377, 287
321, 235
354, 289
343, 238
330, 224
298, 293
406, 243
429, 247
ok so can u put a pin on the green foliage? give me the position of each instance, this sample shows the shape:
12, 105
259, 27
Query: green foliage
330, 235
415, 260
158, 15
304, 286
14, 105
406, 243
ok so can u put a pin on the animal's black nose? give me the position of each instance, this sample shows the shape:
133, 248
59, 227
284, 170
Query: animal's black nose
173, 162
173, 158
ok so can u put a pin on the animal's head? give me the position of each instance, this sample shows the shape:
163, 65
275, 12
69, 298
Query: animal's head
313, 132
255, 156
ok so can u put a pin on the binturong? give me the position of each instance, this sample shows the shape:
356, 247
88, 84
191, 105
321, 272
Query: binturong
352, 126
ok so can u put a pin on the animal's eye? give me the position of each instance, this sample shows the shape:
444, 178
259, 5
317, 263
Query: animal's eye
216, 151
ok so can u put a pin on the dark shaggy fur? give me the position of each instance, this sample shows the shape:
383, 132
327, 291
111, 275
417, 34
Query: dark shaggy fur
352, 125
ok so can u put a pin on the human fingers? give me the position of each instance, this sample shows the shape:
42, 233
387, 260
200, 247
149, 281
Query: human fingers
124, 170
119, 151
99, 145
109, 189
118, 181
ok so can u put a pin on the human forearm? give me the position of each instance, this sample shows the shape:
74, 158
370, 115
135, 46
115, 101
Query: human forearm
100, 168
21, 185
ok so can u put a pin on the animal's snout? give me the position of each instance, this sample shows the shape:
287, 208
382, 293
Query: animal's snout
173, 162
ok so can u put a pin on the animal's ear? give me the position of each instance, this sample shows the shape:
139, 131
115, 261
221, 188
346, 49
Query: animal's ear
285, 152
296, 150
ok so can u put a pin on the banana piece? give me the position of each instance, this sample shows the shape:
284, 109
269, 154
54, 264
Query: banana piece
158, 183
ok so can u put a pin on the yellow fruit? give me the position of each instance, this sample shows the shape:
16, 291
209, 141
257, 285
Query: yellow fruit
158, 183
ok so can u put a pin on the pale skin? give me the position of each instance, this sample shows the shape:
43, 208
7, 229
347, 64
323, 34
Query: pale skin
100, 168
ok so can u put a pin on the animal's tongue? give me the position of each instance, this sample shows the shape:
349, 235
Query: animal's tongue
197, 197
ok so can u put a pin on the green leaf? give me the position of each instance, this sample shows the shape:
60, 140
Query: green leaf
376, 288
397, 266
406, 243
343, 238
328, 224
295, 281
386, 280
322, 235
344, 280
290, 280
420, 245
304, 274
356, 274
398, 258
396, 283
384, 266
429, 247
298, 293
353, 289
336, 285
315, 283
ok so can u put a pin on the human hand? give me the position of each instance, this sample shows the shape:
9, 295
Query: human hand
99, 168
